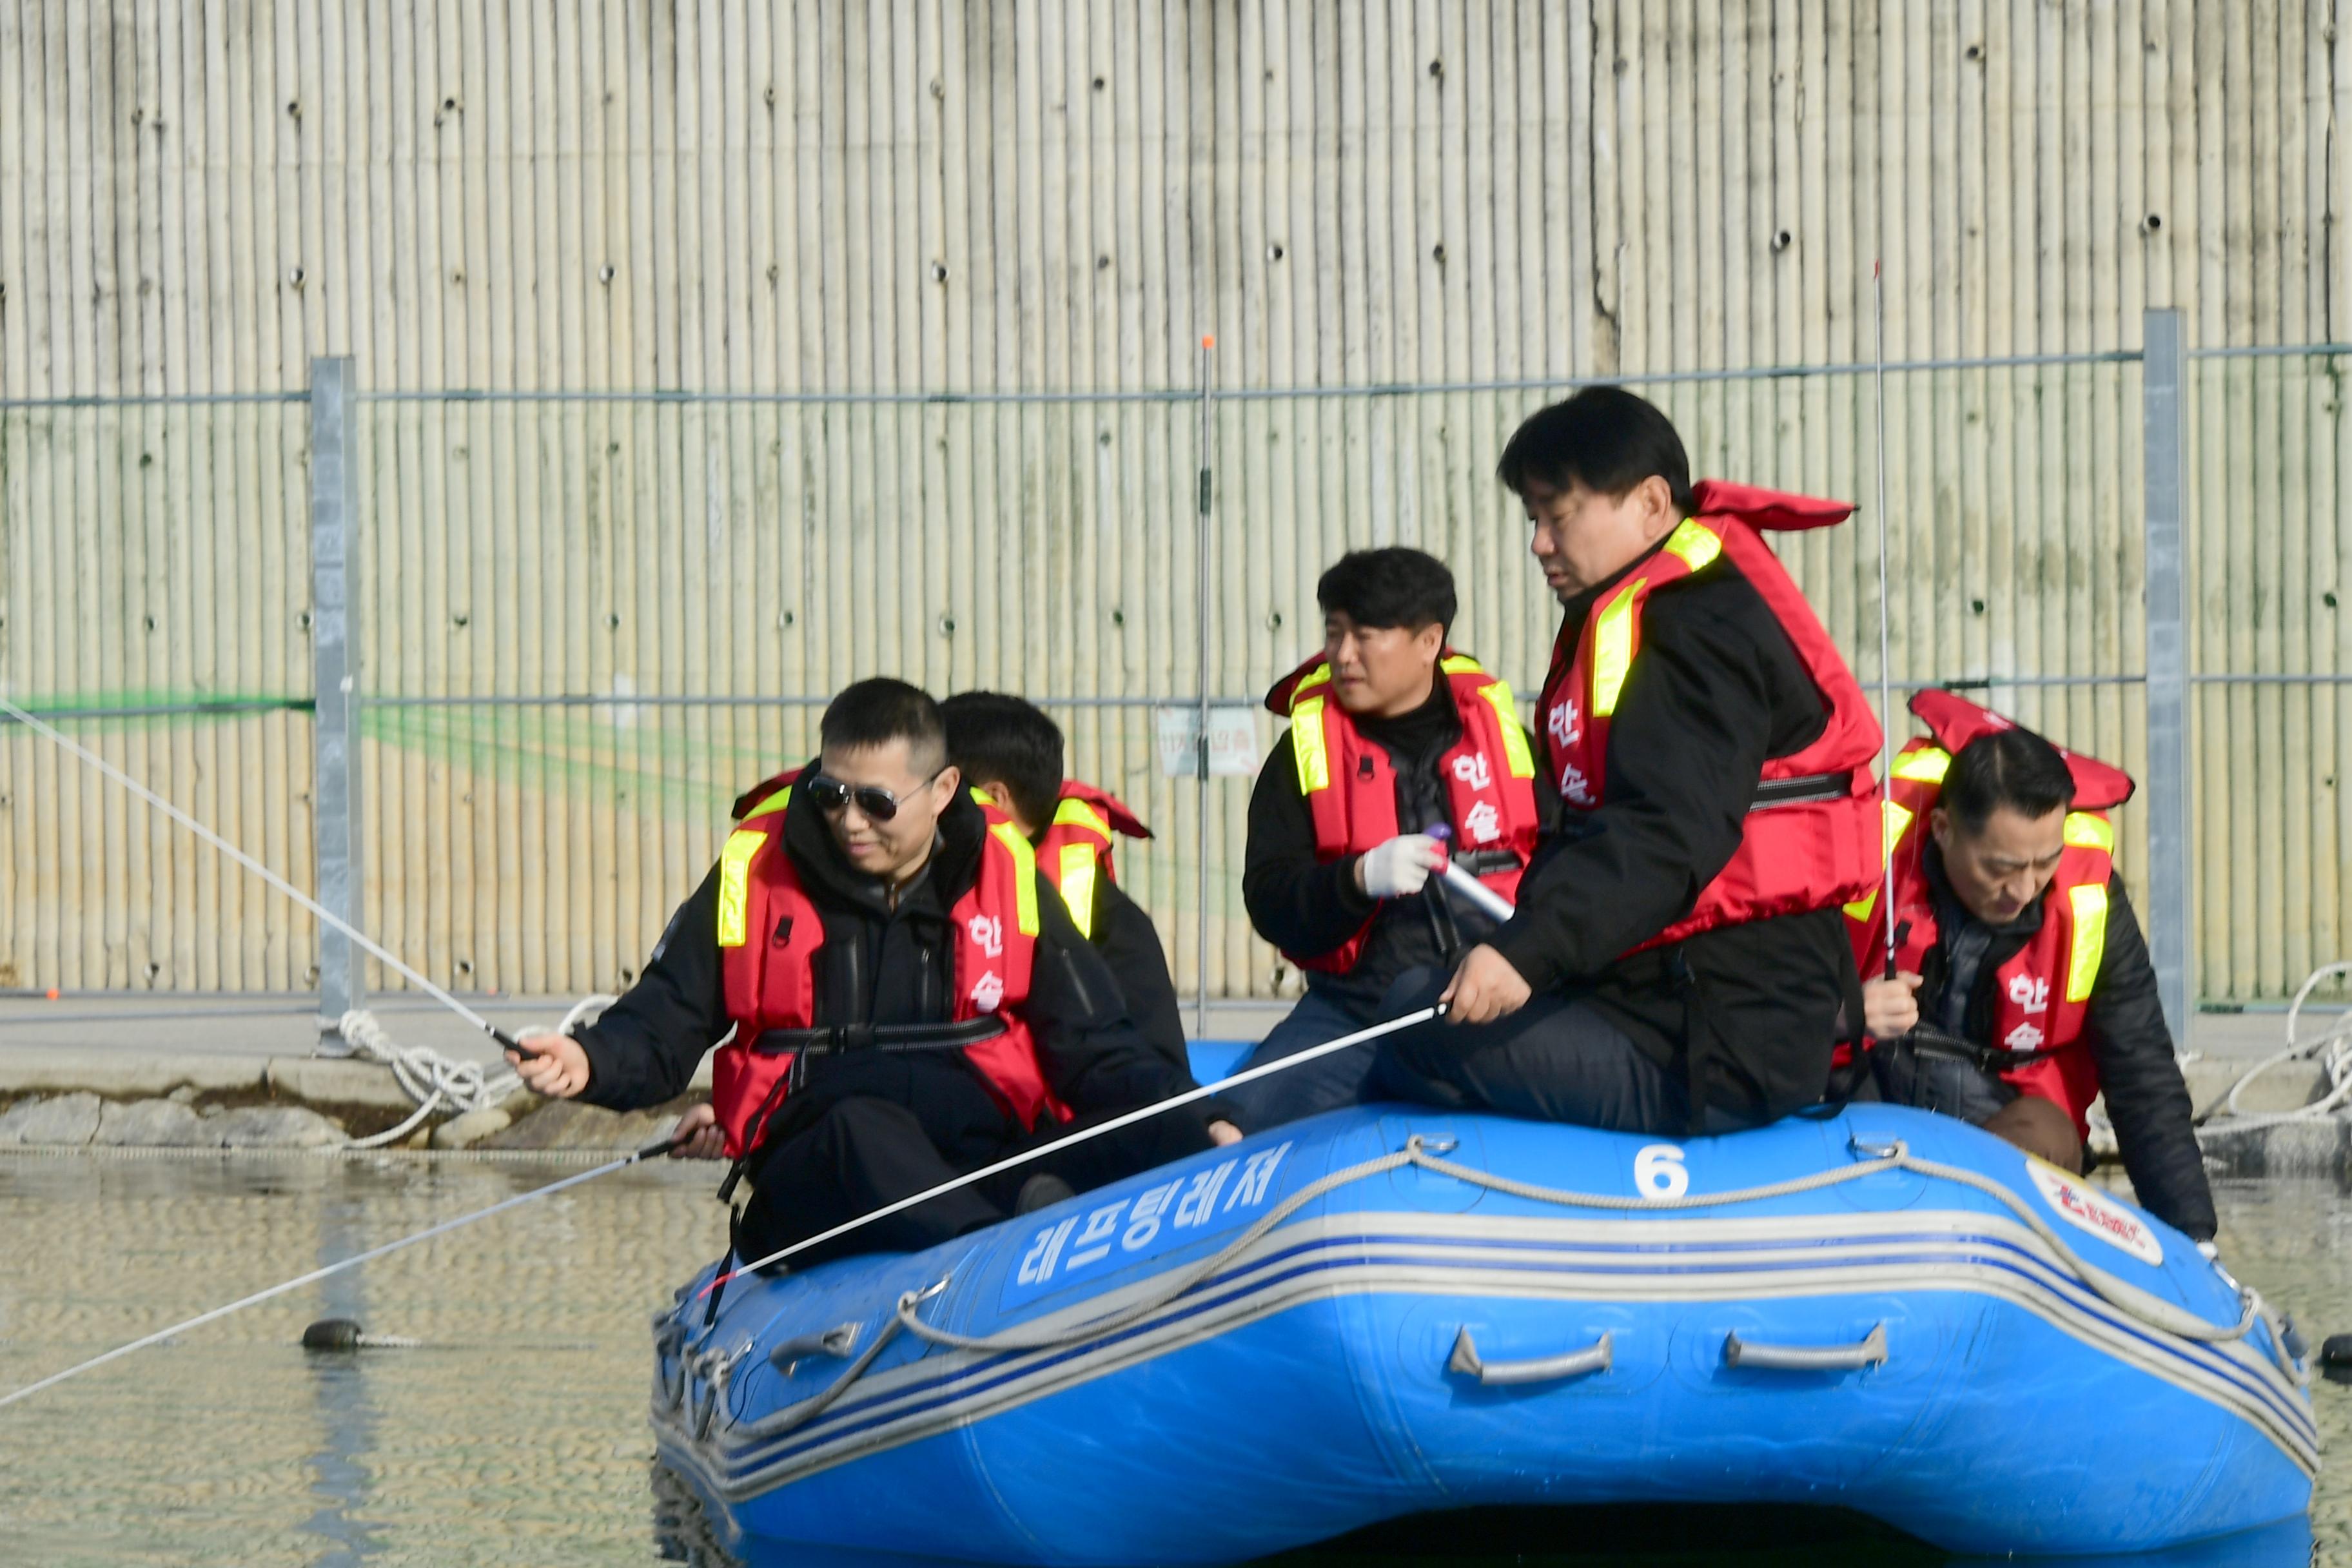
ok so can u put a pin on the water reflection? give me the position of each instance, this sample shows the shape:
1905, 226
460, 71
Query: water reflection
346, 1412
518, 1433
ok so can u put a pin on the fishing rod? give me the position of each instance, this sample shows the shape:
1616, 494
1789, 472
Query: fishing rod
1126, 1118
1886, 676
1457, 877
649, 1151
390, 960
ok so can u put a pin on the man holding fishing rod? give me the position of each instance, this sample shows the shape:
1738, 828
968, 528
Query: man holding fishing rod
1403, 755
1677, 961
902, 996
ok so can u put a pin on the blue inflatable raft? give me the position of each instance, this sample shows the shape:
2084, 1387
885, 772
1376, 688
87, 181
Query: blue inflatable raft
1391, 1310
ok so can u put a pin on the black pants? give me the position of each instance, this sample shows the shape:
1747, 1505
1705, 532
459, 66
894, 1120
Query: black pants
1555, 1059
863, 1152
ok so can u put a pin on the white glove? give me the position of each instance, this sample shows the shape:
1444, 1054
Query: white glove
1399, 867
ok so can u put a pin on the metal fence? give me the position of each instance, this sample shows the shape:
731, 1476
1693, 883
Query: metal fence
489, 673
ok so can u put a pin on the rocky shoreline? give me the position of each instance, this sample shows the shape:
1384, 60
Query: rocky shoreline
54, 1099
190, 1118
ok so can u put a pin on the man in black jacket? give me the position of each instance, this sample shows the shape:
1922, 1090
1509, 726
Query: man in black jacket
1012, 752
1989, 859
1353, 897
1646, 981
881, 841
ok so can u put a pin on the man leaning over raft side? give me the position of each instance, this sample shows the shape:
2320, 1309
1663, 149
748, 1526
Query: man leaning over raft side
871, 895
2014, 940
1678, 962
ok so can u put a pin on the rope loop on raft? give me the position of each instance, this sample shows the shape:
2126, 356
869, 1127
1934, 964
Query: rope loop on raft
1876, 1160
436, 1081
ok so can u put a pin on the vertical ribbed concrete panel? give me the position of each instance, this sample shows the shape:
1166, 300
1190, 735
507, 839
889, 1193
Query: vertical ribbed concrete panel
746, 228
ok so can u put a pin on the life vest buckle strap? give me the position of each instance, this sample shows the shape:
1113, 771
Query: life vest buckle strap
1487, 862
1986, 1058
839, 1039
1801, 791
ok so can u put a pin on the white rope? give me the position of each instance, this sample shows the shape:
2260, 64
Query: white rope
2164, 1316
1127, 1119
2333, 1048
435, 1081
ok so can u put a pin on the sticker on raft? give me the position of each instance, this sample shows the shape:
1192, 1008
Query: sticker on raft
1144, 1224
2084, 1207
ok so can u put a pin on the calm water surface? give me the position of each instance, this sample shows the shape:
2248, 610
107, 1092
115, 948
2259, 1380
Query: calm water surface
517, 1434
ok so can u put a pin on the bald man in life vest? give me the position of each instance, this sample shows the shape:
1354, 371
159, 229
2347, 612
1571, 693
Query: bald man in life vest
1010, 751
2024, 989
1678, 962
897, 997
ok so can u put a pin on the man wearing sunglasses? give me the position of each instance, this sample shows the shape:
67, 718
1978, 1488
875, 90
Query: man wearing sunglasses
901, 995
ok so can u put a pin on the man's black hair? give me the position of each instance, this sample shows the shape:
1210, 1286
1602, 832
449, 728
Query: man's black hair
995, 738
1396, 587
877, 711
2013, 768
1605, 438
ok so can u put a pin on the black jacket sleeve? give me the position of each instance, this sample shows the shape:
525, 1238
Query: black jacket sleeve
646, 1047
2146, 1100
1687, 748
1093, 1056
1129, 946
1297, 902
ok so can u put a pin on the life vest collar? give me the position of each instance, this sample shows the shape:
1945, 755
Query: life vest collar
1779, 511
1954, 722
1102, 811
1316, 672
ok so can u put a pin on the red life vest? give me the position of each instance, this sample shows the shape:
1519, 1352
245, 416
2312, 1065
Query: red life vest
2042, 995
1075, 847
1350, 785
769, 933
1813, 852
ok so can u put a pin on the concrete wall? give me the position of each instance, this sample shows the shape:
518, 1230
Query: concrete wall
815, 209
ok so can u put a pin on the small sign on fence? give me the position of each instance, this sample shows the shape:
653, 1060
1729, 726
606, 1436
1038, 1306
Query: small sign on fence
1232, 740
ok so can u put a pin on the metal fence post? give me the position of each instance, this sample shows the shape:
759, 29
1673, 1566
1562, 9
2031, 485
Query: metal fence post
334, 635
2171, 931
1201, 851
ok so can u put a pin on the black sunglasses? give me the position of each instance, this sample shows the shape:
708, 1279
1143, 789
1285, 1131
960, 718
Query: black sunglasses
878, 805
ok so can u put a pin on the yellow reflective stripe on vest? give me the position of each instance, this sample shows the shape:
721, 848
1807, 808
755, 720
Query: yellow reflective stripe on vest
1898, 822
2086, 831
1460, 664
1306, 747
1319, 676
776, 802
1516, 755
1024, 873
1076, 813
1696, 544
1924, 767
1075, 879
2090, 901
1613, 647
735, 883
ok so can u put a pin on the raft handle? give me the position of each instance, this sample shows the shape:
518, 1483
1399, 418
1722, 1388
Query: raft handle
1871, 1352
837, 1341
1597, 1357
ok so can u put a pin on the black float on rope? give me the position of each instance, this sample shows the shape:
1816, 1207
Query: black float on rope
343, 1334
